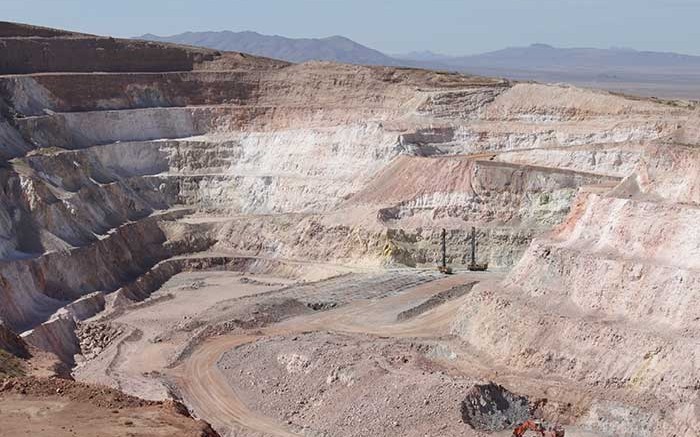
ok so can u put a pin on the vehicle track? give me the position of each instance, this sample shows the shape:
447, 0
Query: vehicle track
212, 398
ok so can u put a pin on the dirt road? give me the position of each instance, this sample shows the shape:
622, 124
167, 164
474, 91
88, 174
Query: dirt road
210, 395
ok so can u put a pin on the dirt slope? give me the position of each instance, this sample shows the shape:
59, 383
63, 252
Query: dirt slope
54, 407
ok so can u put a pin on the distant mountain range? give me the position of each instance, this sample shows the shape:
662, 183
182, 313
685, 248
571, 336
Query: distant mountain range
334, 48
661, 74
545, 58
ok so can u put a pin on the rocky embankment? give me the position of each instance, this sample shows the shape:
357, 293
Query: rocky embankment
606, 302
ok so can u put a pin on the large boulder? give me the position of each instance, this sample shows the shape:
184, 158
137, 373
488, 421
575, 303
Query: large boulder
490, 407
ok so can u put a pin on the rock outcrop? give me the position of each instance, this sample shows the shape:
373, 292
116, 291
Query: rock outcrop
12, 343
606, 301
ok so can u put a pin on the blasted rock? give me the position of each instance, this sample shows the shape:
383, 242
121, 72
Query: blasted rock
490, 407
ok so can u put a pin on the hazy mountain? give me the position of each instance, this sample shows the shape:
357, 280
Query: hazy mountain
543, 57
422, 56
334, 48
661, 74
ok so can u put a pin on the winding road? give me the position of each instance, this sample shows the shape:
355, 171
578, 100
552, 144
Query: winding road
213, 399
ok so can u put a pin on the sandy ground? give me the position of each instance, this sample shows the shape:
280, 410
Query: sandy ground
287, 351
59, 407
157, 329
209, 392
362, 303
47, 417
297, 377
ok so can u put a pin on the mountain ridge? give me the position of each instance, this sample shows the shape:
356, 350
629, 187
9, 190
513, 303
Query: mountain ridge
332, 48
641, 72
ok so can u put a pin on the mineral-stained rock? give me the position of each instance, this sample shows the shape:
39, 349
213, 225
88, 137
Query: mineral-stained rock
491, 407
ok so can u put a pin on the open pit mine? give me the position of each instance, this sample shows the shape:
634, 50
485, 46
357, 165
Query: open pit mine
207, 243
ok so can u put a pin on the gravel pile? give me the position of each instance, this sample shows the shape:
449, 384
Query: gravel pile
329, 384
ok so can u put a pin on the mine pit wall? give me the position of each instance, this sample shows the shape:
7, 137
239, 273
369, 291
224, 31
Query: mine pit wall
521, 336
22, 55
134, 251
238, 175
544, 103
619, 274
579, 256
308, 237
500, 248
58, 334
666, 171
489, 136
507, 203
85, 307
9, 29
34, 288
106, 164
480, 192
13, 235
269, 87
11, 142
633, 231
617, 160
32, 95
60, 206
83, 129
299, 236
638, 297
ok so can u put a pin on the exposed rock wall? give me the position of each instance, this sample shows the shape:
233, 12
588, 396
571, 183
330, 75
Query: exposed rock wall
33, 288
606, 301
21, 55
57, 336
8, 29
11, 342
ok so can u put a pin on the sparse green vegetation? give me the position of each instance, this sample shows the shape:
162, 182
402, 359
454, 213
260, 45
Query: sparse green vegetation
46, 151
10, 365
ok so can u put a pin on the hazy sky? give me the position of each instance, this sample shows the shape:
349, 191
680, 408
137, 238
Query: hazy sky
393, 26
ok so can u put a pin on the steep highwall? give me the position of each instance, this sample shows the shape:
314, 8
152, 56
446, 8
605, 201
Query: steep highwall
21, 55
34, 288
312, 237
56, 336
606, 301
9, 29
32, 95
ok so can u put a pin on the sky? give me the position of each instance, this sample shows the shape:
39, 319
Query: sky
451, 27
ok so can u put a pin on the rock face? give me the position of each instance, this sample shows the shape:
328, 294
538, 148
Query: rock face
141, 152
490, 407
27, 49
12, 343
607, 300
